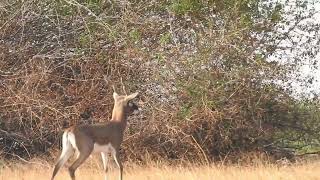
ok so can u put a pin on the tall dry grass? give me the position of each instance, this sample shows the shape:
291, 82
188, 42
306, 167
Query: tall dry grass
307, 171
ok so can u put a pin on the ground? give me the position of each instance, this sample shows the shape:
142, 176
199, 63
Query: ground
305, 171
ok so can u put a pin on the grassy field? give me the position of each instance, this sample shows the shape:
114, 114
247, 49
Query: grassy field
309, 171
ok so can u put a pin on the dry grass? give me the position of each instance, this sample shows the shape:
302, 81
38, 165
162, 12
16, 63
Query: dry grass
308, 171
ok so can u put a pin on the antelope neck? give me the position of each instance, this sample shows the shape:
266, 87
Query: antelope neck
119, 116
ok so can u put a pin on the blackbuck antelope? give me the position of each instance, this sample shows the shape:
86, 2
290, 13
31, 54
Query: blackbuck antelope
99, 138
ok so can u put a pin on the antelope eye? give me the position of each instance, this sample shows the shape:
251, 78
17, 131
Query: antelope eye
130, 104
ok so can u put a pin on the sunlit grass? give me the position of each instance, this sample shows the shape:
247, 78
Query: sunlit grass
164, 172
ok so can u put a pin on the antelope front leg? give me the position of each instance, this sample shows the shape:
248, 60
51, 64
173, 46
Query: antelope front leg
105, 164
116, 156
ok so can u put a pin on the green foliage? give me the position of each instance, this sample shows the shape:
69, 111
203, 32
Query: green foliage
84, 39
185, 112
165, 39
160, 58
181, 7
299, 127
246, 20
64, 9
95, 6
94, 2
276, 14
135, 36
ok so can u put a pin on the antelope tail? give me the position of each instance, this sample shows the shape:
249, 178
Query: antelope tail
67, 151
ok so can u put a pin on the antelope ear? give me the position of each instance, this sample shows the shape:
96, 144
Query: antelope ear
115, 95
131, 96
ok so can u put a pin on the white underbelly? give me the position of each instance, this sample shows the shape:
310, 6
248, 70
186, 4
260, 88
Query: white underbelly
108, 148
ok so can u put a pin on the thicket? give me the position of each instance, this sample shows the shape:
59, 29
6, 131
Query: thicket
213, 77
